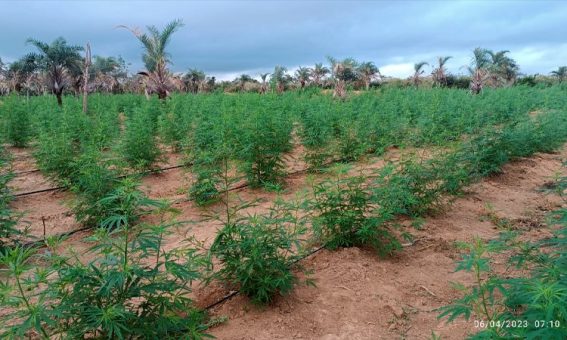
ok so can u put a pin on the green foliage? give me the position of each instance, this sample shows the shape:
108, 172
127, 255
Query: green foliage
534, 304
346, 216
210, 153
259, 253
133, 288
139, 146
263, 140
8, 218
58, 145
413, 190
19, 128
171, 130
126, 204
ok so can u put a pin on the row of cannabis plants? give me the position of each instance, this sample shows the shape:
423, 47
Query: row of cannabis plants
8, 218
90, 153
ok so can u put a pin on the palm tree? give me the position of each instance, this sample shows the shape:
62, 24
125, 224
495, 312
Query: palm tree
479, 69
503, 69
108, 73
155, 56
280, 78
60, 62
560, 73
264, 85
194, 80
19, 71
368, 71
242, 80
418, 71
439, 73
303, 74
342, 71
319, 72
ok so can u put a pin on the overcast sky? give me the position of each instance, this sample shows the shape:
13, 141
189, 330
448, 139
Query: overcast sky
227, 38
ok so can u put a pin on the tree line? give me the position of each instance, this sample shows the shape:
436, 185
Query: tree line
59, 67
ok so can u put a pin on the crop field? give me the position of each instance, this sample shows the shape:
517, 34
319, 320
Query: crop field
392, 213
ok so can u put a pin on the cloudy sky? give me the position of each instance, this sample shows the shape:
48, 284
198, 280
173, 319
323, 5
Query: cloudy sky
227, 38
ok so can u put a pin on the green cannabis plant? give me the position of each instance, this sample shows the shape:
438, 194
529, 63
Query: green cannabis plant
259, 253
132, 288
345, 215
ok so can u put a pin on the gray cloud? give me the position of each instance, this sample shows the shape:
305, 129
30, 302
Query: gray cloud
228, 37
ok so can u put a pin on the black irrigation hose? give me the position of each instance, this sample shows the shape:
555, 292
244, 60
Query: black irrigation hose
25, 172
119, 177
70, 233
38, 191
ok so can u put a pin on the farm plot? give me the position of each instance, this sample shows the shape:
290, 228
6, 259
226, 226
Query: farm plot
262, 147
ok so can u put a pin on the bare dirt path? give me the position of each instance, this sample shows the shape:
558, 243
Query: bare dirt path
360, 296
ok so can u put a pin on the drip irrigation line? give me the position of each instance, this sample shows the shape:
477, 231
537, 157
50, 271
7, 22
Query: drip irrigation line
72, 232
25, 172
119, 177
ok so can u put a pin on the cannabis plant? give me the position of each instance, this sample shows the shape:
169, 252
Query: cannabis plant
8, 218
133, 288
19, 128
263, 140
139, 146
346, 215
259, 253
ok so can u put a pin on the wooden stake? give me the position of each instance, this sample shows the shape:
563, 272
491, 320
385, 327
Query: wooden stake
43, 221
86, 77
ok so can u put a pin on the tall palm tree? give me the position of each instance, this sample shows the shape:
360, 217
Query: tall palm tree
280, 78
418, 71
503, 69
368, 71
479, 69
60, 62
439, 73
194, 80
155, 57
303, 75
560, 73
319, 72
264, 85
19, 71
342, 71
